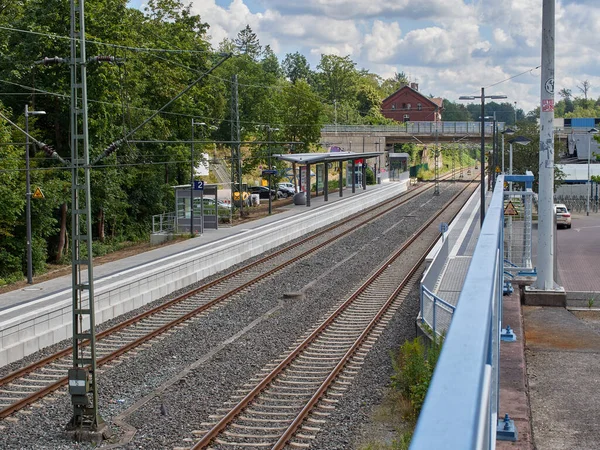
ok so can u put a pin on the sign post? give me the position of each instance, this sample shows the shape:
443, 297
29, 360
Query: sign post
198, 186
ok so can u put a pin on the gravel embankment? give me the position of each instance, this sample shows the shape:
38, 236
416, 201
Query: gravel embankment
260, 325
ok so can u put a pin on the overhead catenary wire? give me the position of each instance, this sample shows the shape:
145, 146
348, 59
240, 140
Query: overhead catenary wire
209, 118
105, 166
514, 76
93, 41
112, 147
46, 148
119, 105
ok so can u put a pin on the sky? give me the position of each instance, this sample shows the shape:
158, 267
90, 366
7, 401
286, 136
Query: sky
449, 47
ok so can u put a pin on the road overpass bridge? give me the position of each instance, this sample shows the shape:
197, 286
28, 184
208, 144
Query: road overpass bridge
370, 137
376, 138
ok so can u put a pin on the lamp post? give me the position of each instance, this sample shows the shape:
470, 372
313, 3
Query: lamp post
492, 155
494, 150
28, 192
192, 181
508, 132
482, 97
521, 140
588, 183
377, 145
269, 129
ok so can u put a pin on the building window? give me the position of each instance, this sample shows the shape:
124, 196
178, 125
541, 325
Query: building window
419, 106
403, 105
393, 106
408, 106
406, 117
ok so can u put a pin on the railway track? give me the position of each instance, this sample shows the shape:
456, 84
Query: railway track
291, 403
31, 383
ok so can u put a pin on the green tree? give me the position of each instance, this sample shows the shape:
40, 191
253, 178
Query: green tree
248, 44
270, 63
296, 67
337, 78
302, 115
368, 100
526, 157
392, 84
455, 112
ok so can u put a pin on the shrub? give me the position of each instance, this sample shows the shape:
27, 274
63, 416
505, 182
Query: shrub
424, 174
413, 369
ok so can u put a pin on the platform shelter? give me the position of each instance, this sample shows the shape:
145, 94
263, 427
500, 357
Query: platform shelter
323, 162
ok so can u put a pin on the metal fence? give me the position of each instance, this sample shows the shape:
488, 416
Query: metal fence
435, 312
164, 223
518, 221
458, 128
461, 407
578, 203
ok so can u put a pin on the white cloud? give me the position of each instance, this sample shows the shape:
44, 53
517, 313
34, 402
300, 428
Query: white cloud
452, 47
383, 41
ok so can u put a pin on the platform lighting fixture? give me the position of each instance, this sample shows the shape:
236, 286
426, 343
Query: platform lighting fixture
482, 97
591, 132
28, 191
509, 132
521, 140
269, 129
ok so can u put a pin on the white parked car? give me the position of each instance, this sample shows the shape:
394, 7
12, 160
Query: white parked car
287, 186
563, 216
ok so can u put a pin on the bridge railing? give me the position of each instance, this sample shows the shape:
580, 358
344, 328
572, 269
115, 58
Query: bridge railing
423, 128
461, 407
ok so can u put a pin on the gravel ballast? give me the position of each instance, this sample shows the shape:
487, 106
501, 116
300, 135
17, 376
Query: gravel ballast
181, 379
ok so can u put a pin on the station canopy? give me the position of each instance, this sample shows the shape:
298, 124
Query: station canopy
316, 158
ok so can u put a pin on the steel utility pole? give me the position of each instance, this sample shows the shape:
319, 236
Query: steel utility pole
436, 171
28, 192
83, 383
482, 97
546, 231
236, 159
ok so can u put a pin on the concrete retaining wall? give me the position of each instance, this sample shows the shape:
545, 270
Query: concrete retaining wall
39, 327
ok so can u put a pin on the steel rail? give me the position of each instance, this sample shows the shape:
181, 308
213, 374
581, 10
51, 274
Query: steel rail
245, 402
36, 365
107, 358
302, 415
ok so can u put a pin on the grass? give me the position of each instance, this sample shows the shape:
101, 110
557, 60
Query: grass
413, 366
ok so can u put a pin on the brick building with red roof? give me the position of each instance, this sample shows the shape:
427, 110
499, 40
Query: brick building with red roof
407, 104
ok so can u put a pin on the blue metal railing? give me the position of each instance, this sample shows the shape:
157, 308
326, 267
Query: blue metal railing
461, 407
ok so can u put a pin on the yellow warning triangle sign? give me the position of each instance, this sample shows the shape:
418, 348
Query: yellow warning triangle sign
510, 210
38, 193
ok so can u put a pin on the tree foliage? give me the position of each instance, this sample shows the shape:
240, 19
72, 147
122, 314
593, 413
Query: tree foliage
296, 67
248, 44
136, 182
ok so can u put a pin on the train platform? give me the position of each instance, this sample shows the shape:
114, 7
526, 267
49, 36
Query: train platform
548, 378
40, 314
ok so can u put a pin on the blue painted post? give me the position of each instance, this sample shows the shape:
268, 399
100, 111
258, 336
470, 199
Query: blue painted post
434, 305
